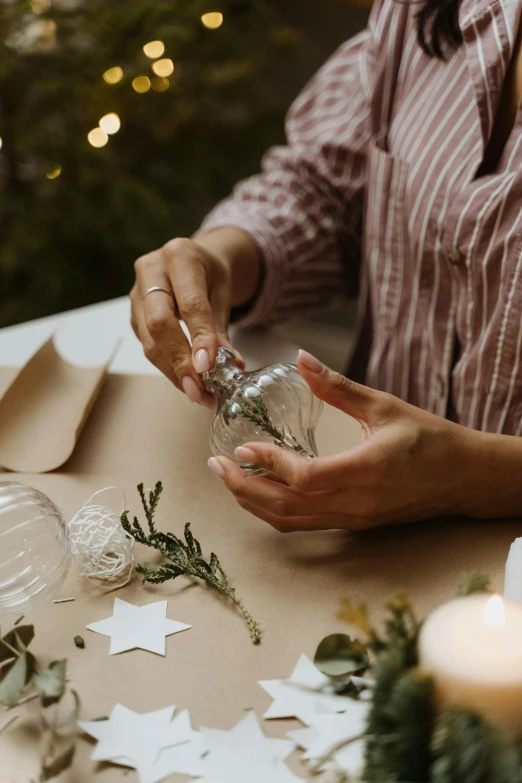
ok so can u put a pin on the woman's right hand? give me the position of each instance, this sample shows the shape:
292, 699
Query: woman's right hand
202, 295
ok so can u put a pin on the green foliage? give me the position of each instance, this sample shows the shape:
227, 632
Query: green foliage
51, 682
20, 670
406, 742
18, 664
73, 239
400, 723
401, 628
185, 557
255, 411
471, 583
467, 748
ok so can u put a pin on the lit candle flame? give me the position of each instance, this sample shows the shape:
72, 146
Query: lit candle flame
494, 614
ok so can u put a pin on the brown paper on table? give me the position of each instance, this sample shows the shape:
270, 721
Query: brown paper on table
43, 410
142, 429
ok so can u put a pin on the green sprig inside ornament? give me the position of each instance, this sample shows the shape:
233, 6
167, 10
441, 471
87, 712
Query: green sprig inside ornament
273, 404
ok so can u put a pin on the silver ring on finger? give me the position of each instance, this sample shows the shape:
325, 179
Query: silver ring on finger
158, 288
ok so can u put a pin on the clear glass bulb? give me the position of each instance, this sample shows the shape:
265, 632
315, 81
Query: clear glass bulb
34, 547
273, 404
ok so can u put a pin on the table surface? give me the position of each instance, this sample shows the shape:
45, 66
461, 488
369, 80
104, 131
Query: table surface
142, 429
87, 335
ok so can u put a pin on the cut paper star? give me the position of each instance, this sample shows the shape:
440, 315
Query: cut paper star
244, 753
132, 627
331, 731
182, 759
305, 694
336, 729
129, 735
152, 743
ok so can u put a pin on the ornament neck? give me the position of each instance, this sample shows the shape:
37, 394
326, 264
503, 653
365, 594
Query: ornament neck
224, 375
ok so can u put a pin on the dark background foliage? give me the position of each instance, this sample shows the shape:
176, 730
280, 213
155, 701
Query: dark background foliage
72, 240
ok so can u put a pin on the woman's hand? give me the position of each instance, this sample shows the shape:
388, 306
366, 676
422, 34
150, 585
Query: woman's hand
202, 284
408, 465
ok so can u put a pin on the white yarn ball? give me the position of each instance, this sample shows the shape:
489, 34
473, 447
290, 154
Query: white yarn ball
100, 546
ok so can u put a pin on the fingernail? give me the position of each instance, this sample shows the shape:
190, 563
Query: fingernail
245, 455
216, 467
310, 361
191, 388
202, 361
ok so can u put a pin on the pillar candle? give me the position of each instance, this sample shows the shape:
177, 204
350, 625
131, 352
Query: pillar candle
472, 647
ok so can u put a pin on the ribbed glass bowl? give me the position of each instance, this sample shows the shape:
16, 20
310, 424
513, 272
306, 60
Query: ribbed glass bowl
35, 553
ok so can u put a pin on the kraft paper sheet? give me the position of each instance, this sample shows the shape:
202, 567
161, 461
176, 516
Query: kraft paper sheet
143, 430
43, 408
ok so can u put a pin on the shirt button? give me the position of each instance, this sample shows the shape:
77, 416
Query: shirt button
454, 255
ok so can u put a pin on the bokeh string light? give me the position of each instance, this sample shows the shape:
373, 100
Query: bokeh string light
54, 172
154, 49
110, 123
40, 6
213, 20
1, 143
163, 67
113, 75
97, 137
141, 84
160, 84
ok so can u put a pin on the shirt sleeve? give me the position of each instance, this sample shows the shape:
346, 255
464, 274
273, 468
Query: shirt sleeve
303, 210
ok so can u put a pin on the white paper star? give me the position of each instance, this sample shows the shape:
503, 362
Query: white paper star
303, 695
132, 626
129, 735
153, 744
184, 758
334, 729
328, 731
245, 754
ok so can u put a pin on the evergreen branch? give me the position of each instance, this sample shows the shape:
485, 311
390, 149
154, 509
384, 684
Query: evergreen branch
255, 411
185, 557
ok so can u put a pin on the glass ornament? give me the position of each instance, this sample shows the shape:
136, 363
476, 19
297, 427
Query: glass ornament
273, 404
35, 552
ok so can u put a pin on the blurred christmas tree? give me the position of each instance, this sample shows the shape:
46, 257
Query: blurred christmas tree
121, 123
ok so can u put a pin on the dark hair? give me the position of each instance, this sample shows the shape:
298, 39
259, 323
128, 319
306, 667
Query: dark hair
438, 26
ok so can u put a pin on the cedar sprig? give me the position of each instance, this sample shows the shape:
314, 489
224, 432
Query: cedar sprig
254, 410
185, 557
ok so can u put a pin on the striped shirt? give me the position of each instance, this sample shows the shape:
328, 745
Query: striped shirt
377, 193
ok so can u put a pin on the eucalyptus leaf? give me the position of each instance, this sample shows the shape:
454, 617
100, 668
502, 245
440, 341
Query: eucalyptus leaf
51, 682
339, 656
54, 766
16, 678
69, 725
19, 638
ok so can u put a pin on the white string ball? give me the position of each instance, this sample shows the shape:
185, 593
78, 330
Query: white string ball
101, 547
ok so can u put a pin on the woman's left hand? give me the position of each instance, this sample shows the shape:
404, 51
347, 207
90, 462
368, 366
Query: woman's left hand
408, 465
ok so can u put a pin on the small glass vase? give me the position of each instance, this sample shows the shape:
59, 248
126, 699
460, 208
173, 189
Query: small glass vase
35, 552
273, 404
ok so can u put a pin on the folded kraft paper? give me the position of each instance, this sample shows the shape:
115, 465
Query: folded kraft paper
43, 410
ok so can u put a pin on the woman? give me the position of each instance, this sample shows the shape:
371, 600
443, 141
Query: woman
417, 120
